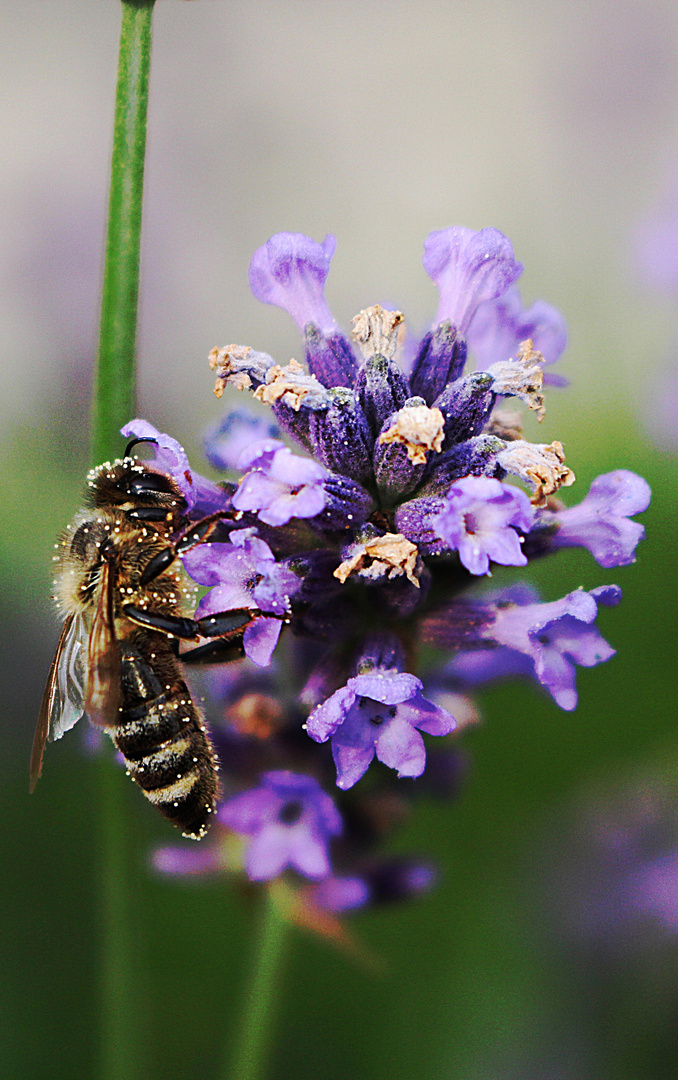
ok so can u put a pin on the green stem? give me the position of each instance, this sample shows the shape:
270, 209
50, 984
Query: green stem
114, 393
114, 406
120, 1053
250, 1058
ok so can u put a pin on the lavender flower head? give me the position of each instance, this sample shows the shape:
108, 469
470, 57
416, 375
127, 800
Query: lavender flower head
357, 535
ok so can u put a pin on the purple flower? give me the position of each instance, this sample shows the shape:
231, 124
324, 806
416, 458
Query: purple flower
379, 883
555, 636
378, 713
290, 271
225, 441
653, 890
201, 495
339, 892
601, 521
187, 862
475, 668
290, 820
657, 243
499, 326
244, 574
468, 267
279, 485
479, 520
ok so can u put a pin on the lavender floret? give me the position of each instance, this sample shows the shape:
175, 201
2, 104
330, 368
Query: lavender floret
279, 485
482, 519
601, 521
225, 441
499, 326
201, 495
290, 271
556, 636
468, 267
290, 821
381, 712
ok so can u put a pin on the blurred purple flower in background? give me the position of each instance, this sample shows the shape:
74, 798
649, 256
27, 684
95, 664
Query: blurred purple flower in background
657, 264
290, 821
614, 868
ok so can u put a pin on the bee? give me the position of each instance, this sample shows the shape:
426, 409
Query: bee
125, 600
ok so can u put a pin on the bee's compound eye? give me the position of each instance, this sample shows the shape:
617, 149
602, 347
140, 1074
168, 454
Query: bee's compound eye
148, 483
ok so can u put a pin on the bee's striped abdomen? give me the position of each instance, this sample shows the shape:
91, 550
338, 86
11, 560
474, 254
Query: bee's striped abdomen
163, 740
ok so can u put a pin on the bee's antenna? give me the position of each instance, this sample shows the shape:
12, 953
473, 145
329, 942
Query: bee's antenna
146, 438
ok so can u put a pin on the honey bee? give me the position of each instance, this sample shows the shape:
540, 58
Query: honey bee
124, 596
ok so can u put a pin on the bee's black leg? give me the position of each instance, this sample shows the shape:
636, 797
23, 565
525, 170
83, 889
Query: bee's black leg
174, 625
221, 624
197, 534
217, 651
157, 564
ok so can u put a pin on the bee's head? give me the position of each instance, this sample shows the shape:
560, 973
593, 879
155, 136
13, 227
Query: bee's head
135, 487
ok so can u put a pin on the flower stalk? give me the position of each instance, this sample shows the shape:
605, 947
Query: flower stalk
113, 405
250, 1056
114, 392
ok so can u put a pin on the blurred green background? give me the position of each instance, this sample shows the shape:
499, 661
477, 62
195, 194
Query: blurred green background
558, 124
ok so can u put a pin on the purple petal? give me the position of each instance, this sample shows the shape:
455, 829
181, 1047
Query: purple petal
224, 598
386, 687
308, 854
503, 547
499, 326
306, 503
601, 521
219, 564
352, 762
557, 674
259, 454
245, 813
401, 747
290, 271
297, 471
423, 714
226, 441
468, 267
268, 852
326, 718
328, 817
260, 639
338, 893
607, 595
255, 492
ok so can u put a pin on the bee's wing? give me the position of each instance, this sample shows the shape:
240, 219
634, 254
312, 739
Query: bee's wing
63, 700
103, 657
